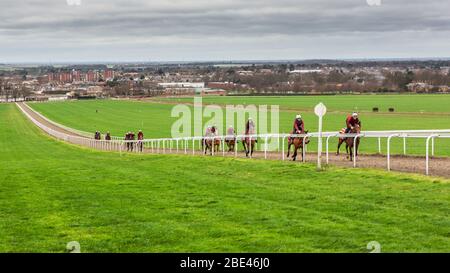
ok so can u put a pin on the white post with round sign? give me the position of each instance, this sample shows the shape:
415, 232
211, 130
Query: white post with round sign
320, 110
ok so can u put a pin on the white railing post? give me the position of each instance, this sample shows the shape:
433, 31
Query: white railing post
427, 154
265, 147
404, 145
327, 148
389, 150
379, 145
222, 142
432, 146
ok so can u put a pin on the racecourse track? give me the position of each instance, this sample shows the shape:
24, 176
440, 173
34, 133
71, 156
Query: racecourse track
439, 166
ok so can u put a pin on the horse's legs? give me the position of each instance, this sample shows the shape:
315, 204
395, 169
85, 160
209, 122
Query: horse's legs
339, 145
245, 148
289, 149
294, 156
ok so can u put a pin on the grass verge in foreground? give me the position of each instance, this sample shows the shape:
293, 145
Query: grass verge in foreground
52, 193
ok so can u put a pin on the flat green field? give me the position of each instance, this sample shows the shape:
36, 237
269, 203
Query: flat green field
414, 112
52, 193
361, 103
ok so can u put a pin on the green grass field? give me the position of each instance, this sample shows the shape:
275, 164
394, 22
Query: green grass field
346, 103
156, 121
52, 193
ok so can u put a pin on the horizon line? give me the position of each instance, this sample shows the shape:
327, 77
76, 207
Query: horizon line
235, 61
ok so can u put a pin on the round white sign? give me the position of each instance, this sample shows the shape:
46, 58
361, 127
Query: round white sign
320, 110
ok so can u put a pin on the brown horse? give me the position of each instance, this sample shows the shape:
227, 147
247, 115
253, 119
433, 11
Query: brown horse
350, 143
231, 143
207, 144
249, 146
298, 144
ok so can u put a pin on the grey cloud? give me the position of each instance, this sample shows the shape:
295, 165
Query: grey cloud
136, 24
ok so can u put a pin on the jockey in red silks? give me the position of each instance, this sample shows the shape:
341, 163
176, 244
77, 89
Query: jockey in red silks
351, 121
298, 127
140, 135
214, 131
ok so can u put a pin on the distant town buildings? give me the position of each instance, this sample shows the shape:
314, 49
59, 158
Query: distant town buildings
145, 80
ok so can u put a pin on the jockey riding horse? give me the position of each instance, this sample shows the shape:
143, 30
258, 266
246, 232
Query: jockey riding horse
249, 142
298, 142
230, 139
353, 127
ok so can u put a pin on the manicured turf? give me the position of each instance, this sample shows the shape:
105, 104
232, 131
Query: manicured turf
362, 103
156, 121
52, 193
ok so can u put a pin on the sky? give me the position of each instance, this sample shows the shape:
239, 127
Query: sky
51, 31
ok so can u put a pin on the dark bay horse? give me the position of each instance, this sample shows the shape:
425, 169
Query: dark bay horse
298, 144
249, 145
350, 142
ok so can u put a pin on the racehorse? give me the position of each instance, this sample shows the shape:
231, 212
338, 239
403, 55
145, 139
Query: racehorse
231, 143
350, 142
207, 144
249, 145
298, 144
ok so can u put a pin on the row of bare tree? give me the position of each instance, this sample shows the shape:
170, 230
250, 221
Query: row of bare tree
10, 92
334, 81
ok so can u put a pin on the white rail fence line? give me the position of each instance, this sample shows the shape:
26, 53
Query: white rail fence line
164, 145
69, 129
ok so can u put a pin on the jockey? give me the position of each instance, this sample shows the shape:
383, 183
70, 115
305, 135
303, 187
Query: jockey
108, 136
351, 121
230, 134
299, 125
208, 131
250, 128
214, 131
140, 135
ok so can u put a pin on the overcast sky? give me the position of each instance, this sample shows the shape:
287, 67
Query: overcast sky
186, 30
